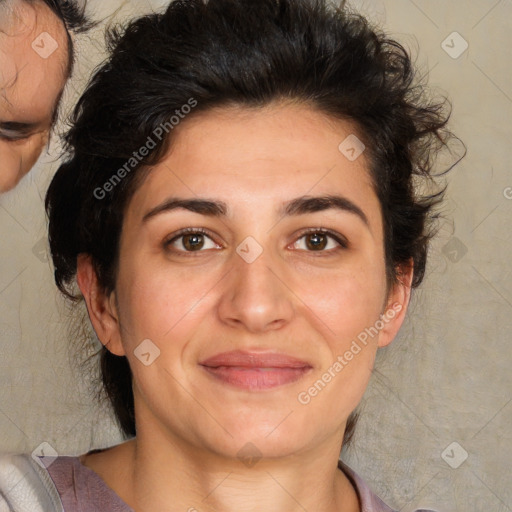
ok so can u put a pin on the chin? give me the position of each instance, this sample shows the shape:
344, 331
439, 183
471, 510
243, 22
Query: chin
276, 434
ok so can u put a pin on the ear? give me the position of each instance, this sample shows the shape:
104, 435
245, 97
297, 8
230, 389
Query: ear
101, 308
396, 306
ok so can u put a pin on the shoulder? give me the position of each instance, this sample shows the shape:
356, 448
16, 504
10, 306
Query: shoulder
26, 486
370, 502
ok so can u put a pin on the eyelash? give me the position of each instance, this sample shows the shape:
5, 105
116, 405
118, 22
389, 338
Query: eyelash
13, 138
343, 244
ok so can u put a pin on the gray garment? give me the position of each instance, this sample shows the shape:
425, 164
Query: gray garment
25, 486
66, 485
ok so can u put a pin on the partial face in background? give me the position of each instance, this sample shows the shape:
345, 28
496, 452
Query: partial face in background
33, 71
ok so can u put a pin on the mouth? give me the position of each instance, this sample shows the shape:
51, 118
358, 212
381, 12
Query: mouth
255, 371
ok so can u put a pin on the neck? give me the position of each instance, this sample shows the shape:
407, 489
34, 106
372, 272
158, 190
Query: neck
181, 478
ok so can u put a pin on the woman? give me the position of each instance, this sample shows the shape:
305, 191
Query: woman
242, 214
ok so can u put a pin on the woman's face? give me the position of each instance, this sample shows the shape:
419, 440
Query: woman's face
256, 329
33, 69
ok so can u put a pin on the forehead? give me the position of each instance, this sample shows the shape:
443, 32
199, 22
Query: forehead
282, 141
33, 59
258, 158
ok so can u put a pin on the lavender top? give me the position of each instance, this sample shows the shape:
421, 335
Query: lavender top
81, 489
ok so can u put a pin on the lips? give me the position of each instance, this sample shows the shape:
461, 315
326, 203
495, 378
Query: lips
255, 371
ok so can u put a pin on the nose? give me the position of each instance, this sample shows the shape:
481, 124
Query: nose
256, 296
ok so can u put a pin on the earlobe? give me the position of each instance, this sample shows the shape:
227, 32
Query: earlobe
100, 307
396, 307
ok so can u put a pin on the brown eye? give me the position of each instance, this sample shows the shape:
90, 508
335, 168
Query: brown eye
316, 241
320, 240
193, 242
190, 240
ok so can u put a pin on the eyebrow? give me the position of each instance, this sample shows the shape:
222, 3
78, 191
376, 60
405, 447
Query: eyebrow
298, 206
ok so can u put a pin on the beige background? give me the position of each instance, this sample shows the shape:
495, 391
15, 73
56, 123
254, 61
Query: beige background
446, 378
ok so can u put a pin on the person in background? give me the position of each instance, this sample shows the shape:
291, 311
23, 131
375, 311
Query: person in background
36, 60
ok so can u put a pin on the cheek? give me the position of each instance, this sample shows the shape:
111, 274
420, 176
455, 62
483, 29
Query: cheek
11, 170
167, 310
350, 299
22, 155
32, 151
161, 304
351, 309
18, 159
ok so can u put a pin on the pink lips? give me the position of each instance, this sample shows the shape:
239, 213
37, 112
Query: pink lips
255, 371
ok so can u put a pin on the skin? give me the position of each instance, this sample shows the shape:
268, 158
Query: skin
30, 85
291, 299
